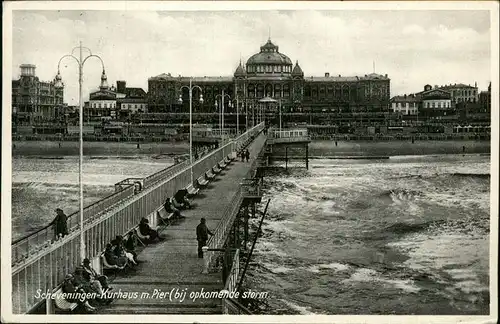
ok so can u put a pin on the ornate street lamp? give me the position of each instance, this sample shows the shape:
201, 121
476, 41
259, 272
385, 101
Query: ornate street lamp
223, 95
190, 88
81, 61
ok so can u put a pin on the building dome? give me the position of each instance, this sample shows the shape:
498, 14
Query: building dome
269, 58
240, 71
297, 70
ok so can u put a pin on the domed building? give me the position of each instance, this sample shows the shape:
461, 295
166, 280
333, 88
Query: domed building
271, 75
269, 61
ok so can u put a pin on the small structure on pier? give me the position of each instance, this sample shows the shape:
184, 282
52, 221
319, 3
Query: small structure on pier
286, 146
207, 136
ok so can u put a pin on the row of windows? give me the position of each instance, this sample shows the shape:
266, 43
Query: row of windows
437, 104
112, 105
466, 93
464, 100
99, 105
269, 68
269, 87
407, 104
260, 94
134, 106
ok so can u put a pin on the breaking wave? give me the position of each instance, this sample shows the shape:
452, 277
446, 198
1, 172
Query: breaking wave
377, 237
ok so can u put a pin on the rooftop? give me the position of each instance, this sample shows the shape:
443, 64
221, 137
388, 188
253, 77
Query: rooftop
169, 77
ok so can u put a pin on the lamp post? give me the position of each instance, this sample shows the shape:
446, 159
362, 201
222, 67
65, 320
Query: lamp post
223, 95
81, 61
246, 115
235, 104
280, 114
190, 88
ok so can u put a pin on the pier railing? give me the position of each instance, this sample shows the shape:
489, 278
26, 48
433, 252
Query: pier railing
231, 285
220, 232
33, 243
252, 187
46, 267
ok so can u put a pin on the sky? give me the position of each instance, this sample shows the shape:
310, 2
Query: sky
413, 47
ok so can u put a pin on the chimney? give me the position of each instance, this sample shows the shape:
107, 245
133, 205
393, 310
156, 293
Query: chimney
327, 74
120, 86
340, 75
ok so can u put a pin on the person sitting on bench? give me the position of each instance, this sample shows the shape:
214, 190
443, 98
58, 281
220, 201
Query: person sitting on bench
112, 259
146, 230
120, 250
180, 200
90, 286
169, 208
70, 287
91, 275
131, 242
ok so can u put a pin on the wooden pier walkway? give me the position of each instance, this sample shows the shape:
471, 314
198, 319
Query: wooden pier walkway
173, 265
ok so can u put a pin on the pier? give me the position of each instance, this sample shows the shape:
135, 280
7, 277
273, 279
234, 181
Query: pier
170, 266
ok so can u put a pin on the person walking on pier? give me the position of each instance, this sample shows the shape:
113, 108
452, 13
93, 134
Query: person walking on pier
202, 233
60, 224
247, 155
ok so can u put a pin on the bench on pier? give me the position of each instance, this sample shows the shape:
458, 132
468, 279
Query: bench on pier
216, 169
164, 216
61, 303
201, 182
209, 175
222, 165
231, 157
192, 190
142, 238
107, 266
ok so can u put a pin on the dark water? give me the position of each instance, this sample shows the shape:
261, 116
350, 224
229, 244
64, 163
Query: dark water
40, 185
408, 235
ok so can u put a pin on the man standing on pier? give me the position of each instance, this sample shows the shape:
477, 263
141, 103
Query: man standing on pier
60, 224
202, 232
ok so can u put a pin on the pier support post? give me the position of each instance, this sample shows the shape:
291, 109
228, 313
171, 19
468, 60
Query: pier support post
286, 157
237, 231
307, 156
246, 226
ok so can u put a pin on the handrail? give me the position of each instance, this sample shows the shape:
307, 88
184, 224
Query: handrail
69, 216
22, 248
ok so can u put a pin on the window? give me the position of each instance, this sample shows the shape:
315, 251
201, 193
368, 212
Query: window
105, 105
99, 105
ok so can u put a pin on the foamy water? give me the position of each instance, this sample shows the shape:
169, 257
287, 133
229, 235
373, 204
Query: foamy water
40, 185
397, 236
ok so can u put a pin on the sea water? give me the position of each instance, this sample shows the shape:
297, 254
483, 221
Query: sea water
407, 235
42, 184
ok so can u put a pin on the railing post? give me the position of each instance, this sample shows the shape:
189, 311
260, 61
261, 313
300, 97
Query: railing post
206, 259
